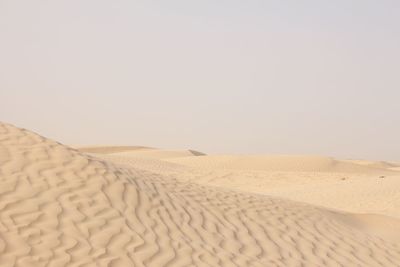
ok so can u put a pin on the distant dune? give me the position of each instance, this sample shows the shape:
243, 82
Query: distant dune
110, 149
158, 153
64, 207
281, 163
139, 151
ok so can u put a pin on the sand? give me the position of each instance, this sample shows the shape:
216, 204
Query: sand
65, 207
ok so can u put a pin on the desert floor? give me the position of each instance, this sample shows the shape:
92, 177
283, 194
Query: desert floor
139, 206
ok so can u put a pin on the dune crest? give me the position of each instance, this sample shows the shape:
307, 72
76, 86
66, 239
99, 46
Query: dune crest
60, 207
280, 163
110, 149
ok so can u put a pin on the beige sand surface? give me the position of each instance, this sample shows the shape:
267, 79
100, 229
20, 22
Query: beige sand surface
353, 186
62, 207
110, 149
156, 153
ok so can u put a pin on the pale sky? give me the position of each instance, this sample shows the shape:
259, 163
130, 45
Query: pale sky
266, 77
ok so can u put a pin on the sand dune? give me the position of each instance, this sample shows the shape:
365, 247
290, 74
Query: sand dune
360, 190
280, 163
110, 149
353, 186
61, 207
158, 153
138, 151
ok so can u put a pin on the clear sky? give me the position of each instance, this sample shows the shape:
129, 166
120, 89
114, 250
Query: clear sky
219, 76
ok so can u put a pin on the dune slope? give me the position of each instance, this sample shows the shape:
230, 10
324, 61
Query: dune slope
59, 207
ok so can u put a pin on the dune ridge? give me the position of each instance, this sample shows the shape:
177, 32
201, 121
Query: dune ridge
61, 207
157, 153
110, 149
281, 163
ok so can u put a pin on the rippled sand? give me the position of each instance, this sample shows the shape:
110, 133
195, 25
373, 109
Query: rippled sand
63, 207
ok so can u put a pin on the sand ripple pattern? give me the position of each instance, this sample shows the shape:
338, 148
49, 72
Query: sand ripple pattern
59, 207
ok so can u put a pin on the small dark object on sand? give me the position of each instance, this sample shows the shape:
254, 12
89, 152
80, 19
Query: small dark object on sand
382, 176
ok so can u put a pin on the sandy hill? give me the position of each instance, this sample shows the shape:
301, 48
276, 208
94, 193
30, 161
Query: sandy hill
158, 153
359, 187
280, 163
349, 185
138, 151
110, 149
60, 207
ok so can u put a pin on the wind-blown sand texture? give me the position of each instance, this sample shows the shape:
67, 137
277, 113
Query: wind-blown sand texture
62, 207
